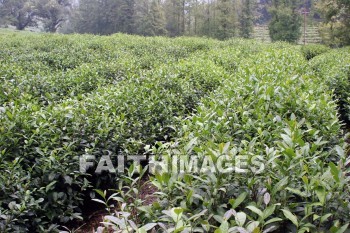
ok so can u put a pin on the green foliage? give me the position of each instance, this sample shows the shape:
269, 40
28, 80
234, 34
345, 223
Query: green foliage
335, 69
335, 30
20, 13
274, 109
285, 25
66, 96
225, 21
91, 95
88, 17
151, 22
281, 125
312, 50
24, 13
246, 19
53, 12
103, 17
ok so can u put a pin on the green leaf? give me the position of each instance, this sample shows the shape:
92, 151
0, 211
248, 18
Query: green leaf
101, 193
149, 226
191, 144
99, 201
255, 210
117, 221
224, 226
267, 198
197, 216
68, 180
218, 218
287, 140
297, 192
305, 179
178, 211
325, 217
253, 227
239, 200
240, 218
343, 228
280, 185
272, 220
340, 151
226, 147
268, 211
321, 194
334, 171
12, 205
49, 186
291, 217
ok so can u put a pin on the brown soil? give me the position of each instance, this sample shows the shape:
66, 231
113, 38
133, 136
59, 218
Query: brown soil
94, 220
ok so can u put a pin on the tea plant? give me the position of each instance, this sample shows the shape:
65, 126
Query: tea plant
274, 110
87, 106
334, 67
63, 97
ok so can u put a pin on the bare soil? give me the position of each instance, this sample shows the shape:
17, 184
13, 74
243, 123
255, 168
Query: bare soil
97, 212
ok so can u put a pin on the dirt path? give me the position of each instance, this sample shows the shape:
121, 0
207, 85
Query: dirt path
94, 219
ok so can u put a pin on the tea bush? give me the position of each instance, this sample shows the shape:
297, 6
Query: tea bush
49, 120
273, 110
312, 50
63, 97
292, 126
334, 67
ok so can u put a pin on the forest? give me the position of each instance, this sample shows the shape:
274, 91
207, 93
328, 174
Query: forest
220, 19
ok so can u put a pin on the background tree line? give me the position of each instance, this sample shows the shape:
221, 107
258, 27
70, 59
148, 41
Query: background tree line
220, 19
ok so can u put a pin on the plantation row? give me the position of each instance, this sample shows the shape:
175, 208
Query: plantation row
67, 96
275, 108
291, 126
121, 110
334, 68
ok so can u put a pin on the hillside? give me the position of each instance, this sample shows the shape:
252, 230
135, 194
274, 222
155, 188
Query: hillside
261, 33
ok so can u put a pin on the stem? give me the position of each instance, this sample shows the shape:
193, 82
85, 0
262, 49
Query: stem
126, 224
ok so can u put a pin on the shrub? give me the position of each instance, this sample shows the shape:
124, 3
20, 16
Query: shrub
67, 96
274, 111
92, 107
334, 68
312, 50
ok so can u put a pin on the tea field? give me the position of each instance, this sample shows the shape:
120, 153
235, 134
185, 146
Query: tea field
283, 107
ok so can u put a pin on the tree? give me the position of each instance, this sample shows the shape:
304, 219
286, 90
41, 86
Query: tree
225, 27
19, 13
262, 14
104, 17
96, 17
149, 19
286, 23
53, 13
125, 16
205, 28
141, 12
156, 20
196, 16
335, 31
174, 14
246, 19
